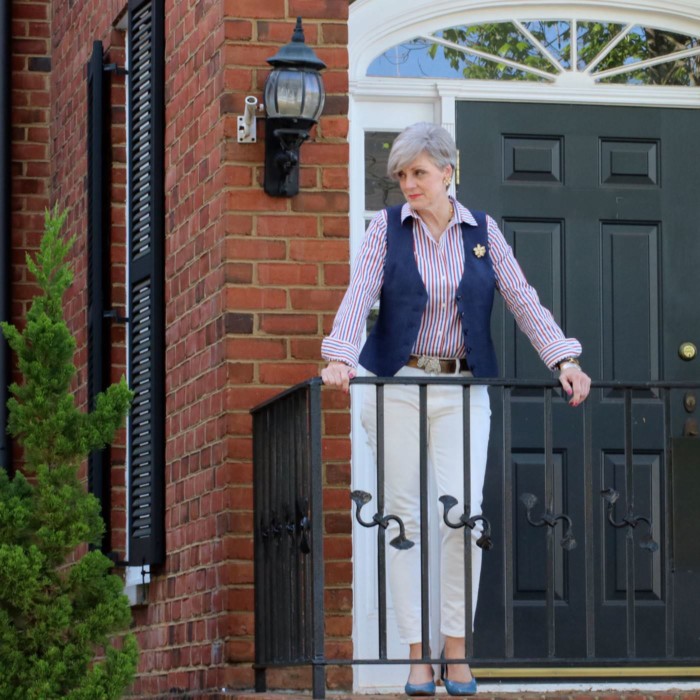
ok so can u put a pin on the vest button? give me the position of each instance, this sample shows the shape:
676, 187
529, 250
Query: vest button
469, 350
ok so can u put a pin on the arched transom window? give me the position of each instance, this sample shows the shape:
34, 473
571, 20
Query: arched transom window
548, 51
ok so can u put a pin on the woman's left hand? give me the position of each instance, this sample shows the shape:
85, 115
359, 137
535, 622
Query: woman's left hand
576, 384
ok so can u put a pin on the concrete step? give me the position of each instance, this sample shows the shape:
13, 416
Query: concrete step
489, 694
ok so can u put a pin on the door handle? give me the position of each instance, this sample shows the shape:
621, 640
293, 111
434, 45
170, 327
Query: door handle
687, 351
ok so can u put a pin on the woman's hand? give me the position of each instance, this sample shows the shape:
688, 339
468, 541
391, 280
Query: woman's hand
338, 375
576, 384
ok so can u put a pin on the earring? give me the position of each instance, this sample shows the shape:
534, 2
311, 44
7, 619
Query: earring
447, 182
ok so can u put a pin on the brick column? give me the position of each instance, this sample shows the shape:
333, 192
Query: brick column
286, 271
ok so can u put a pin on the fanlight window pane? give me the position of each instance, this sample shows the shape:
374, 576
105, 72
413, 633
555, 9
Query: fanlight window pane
555, 36
541, 50
592, 38
380, 190
503, 40
414, 59
679, 73
421, 58
642, 43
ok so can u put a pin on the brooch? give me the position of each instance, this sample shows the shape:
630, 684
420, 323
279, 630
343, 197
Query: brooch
479, 251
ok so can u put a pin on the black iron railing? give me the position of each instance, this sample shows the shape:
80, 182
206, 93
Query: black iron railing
289, 573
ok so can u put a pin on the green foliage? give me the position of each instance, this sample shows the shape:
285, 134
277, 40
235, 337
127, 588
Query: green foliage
57, 622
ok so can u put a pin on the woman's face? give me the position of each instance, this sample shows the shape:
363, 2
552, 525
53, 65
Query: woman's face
423, 183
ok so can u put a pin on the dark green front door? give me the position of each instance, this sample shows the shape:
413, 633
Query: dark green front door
602, 208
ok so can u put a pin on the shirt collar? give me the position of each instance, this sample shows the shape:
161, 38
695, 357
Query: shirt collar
462, 214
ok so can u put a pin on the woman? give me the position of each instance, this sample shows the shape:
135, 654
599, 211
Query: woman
435, 265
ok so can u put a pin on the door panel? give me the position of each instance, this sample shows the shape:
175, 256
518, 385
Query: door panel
601, 207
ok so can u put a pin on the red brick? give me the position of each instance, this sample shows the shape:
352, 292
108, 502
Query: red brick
255, 298
254, 8
286, 226
238, 79
305, 349
238, 29
254, 200
281, 32
335, 33
24, 10
339, 678
317, 251
255, 349
238, 273
288, 324
333, 58
339, 573
315, 299
338, 600
255, 249
336, 275
336, 226
325, 154
287, 274
336, 423
336, 449
34, 47
309, 178
338, 523
286, 374
246, 54
335, 82
321, 202
327, 9
338, 474
238, 224
335, 178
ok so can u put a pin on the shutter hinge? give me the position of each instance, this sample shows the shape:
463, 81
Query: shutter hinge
114, 68
116, 561
113, 314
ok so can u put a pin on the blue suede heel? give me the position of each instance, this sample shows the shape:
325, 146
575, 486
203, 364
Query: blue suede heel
420, 689
455, 687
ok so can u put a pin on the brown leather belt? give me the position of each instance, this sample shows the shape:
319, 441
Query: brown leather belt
431, 364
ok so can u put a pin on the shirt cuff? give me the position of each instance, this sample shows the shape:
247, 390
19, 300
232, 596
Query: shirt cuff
338, 351
555, 352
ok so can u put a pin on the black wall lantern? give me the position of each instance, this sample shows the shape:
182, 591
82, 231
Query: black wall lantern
294, 97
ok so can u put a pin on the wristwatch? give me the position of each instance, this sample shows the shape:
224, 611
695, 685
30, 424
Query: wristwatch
567, 363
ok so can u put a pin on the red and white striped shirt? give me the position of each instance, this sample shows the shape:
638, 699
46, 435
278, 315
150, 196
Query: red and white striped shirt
441, 265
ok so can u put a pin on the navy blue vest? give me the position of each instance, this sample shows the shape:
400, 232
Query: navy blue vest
403, 299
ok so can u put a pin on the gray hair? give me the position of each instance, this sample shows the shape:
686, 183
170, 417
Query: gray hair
422, 137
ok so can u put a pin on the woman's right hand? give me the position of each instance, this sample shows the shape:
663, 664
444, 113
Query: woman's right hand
338, 375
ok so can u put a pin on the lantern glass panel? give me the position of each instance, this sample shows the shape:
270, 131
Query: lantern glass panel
294, 93
314, 96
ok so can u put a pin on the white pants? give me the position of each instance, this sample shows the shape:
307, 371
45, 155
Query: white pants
402, 492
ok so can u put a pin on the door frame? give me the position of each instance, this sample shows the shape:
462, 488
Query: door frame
390, 104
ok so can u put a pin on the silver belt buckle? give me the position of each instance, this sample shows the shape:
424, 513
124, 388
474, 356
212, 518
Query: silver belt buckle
430, 364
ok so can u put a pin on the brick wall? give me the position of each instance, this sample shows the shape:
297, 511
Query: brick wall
286, 271
31, 94
252, 283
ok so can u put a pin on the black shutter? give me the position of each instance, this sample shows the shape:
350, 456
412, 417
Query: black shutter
146, 432
98, 279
